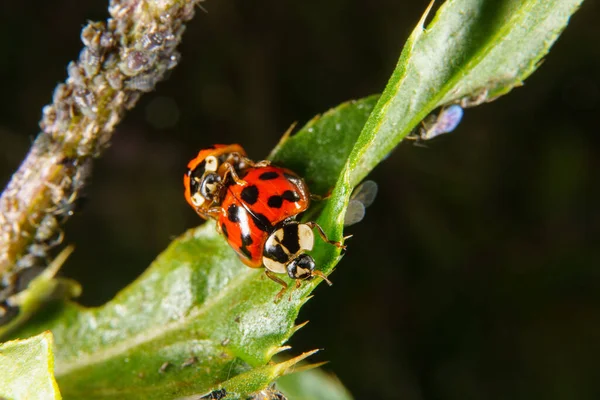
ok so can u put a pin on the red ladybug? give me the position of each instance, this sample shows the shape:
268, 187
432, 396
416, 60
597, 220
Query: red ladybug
258, 219
255, 206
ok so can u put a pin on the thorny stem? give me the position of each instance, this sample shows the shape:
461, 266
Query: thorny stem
121, 59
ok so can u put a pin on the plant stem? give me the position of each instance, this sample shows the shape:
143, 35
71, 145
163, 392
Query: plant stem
121, 59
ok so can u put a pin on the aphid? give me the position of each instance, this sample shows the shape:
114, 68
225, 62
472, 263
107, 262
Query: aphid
153, 41
135, 62
86, 101
361, 198
437, 124
90, 61
76, 74
115, 78
142, 82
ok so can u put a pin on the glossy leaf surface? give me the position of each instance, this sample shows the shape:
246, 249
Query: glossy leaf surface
199, 320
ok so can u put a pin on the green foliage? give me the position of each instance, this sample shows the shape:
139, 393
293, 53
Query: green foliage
473, 51
313, 385
198, 320
27, 369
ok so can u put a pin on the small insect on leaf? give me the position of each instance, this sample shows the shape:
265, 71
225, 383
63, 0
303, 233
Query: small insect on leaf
362, 197
444, 122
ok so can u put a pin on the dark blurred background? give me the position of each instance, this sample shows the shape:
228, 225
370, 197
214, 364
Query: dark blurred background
476, 273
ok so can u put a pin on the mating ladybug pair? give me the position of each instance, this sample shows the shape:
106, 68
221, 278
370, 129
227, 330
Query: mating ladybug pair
256, 205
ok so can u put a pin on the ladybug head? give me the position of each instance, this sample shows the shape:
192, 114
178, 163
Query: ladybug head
301, 267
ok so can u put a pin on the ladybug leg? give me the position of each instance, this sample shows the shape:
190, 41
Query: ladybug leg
322, 276
259, 164
230, 172
317, 197
323, 235
274, 278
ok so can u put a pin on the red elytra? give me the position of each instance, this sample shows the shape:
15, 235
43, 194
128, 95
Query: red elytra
252, 210
255, 205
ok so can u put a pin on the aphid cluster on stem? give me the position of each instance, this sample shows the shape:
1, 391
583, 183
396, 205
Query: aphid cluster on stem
48, 234
256, 206
120, 60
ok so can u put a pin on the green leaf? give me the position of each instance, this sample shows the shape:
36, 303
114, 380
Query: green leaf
198, 320
27, 369
194, 320
315, 384
474, 51
320, 150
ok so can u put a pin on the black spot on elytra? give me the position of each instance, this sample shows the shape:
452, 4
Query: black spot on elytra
290, 195
275, 201
224, 230
232, 213
267, 176
246, 241
250, 194
246, 252
262, 222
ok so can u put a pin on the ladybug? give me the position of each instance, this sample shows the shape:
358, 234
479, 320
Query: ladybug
208, 173
258, 219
